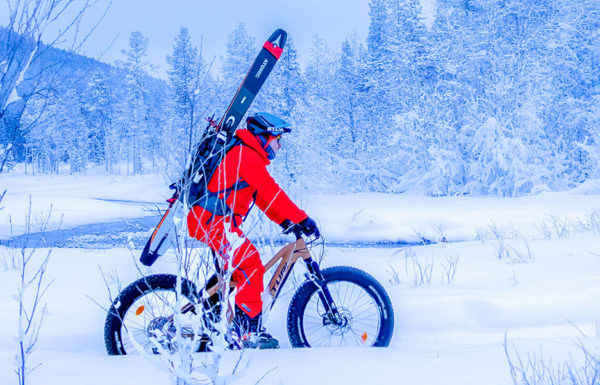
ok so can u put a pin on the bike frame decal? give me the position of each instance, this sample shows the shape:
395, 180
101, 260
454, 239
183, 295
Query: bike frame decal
289, 254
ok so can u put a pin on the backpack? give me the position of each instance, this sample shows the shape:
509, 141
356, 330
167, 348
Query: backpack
210, 151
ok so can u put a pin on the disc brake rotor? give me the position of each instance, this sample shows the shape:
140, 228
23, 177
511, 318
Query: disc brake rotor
342, 326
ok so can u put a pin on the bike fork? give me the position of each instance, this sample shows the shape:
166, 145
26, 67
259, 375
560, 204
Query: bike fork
323, 291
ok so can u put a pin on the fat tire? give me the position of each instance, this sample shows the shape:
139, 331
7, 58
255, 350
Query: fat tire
137, 289
348, 274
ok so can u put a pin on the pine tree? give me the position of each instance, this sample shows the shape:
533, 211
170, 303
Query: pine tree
319, 70
285, 87
98, 106
408, 60
316, 119
239, 55
134, 126
350, 94
283, 95
60, 135
186, 77
350, 137
378, 62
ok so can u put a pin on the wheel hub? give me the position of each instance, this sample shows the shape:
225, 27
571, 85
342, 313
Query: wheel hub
161, 327
340, 324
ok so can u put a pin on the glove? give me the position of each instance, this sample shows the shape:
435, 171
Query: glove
309, 227
287, 226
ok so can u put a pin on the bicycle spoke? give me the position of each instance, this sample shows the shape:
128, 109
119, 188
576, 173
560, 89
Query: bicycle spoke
155, 306
369, 309
358, 320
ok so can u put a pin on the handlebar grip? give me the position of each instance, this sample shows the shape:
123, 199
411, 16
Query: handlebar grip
297, 232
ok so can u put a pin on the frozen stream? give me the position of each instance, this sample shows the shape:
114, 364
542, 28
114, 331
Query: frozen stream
120, 233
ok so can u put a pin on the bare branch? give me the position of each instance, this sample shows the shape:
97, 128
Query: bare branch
30, 318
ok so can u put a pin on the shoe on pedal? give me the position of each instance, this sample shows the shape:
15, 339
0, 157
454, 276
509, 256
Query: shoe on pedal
262, 340
267, 341
251, 334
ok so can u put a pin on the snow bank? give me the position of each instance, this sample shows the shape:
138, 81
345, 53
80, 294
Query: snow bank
77, 200
543, 291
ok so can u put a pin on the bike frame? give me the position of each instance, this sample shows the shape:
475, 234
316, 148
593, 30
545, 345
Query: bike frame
287, 258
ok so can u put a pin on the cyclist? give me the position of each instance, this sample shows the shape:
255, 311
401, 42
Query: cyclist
240, 180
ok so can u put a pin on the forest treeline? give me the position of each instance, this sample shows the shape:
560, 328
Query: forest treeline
493, 97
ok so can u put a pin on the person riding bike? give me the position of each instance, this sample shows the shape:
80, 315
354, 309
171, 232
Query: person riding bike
241, 180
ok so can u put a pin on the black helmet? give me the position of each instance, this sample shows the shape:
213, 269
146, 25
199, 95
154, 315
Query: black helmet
264, 123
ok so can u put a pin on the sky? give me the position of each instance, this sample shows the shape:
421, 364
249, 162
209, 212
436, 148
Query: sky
210, 22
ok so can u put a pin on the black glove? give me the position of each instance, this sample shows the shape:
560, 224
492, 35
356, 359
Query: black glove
309, 227
287, 226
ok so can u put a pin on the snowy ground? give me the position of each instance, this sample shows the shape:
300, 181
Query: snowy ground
543, 292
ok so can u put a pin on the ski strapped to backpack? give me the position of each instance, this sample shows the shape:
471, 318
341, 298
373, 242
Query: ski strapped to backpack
217, 139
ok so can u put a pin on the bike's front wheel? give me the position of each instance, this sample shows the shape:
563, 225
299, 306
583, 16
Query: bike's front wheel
365, 314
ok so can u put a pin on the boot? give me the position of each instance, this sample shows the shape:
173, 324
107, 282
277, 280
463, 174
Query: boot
251, 334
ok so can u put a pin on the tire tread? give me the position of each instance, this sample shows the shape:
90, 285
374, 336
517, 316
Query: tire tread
338, 273
128, 296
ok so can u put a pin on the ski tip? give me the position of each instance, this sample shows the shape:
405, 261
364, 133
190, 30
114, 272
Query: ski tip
278, 38
276, 42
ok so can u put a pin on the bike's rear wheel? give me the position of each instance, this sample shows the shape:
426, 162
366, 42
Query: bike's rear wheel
144, 309
366, 313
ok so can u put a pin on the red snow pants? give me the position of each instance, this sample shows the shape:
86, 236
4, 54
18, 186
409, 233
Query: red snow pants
249, 270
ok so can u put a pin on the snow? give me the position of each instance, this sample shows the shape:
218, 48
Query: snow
364, 217
542, 294
77, 200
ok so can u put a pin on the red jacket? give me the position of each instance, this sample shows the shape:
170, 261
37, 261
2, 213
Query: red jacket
249, 162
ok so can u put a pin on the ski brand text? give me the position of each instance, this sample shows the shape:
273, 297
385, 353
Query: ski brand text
262, 67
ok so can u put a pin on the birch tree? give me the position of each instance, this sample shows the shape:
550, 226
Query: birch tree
23, 74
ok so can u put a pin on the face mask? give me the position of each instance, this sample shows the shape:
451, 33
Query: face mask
270, 153
265, 141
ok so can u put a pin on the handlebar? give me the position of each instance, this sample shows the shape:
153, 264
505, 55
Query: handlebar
290, 227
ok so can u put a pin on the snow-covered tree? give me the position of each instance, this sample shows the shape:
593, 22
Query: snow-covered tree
283, 95
497, 97
378, 61
189, 84
314, 122
98, 109
240, 52
26, 70
134, 128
